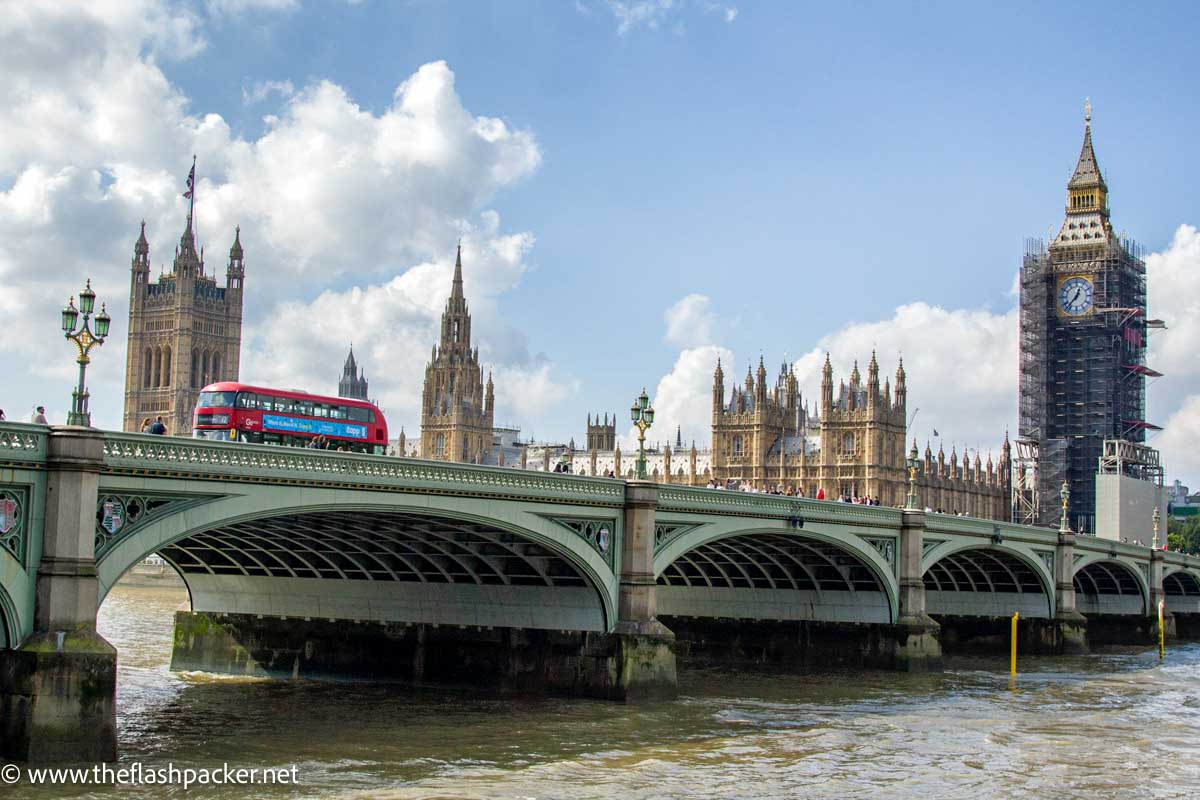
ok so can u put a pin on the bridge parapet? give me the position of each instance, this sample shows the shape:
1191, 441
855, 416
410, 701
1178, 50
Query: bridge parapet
719, 501
23, 442
229, 461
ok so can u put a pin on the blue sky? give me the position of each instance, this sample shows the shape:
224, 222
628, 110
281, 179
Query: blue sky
805, 169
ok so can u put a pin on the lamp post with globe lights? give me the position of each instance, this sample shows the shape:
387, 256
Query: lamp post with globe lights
642, 414
913, 463
84, 340
1065, 494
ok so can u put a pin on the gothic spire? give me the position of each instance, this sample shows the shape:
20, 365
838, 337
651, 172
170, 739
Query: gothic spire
1087, 171
456, 288
235, 252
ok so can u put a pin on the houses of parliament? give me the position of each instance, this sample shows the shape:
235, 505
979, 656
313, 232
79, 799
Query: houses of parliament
185, 332
1076, 355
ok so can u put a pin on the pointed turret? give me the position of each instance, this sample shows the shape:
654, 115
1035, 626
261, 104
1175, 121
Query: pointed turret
235, 272
456, 287
141, 256
718, 391
901, 386
187, 260
353, 383
141, 247
826, 387
873, 382
760, 386
678, 438
855, 376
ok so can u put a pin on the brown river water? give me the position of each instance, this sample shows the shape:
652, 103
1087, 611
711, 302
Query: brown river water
1113, 724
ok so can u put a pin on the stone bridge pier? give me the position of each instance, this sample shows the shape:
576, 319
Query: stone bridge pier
58, 689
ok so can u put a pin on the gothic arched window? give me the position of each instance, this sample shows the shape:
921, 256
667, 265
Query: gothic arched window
737, 445
848, 443
157, 368
216, 366
456, 330
166, 373
204, 368
439, 445
148, 368
195, 367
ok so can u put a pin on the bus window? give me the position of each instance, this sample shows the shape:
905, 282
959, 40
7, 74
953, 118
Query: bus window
304, 408
337, 412
215, 400
320, 410
246, 400
359, 414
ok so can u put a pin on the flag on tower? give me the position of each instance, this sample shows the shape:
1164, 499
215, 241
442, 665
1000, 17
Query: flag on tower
191, 180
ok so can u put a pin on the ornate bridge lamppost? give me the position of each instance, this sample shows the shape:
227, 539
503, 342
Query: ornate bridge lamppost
84, 341
1065, 494
1154, 541
642, 414
913, 462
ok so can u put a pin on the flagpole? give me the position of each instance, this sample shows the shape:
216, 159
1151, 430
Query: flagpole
192, 198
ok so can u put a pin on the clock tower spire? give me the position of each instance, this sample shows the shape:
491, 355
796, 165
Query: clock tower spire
1083, 351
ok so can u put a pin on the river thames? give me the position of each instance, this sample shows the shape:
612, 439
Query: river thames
1114, 724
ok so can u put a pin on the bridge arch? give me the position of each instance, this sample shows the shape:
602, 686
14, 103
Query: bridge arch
1109, 586
10, 623
1182, 590
774, 572
343, 554
986, 581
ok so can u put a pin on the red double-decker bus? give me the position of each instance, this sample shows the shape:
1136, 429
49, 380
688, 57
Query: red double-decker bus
237, 412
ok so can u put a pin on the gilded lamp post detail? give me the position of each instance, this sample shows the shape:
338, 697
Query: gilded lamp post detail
84, 341
642, 414
914, 461
1065, 494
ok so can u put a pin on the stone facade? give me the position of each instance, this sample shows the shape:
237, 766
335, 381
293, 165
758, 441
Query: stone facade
664, 464
456, 407
185, 332
353, 383
854, 447
767, 436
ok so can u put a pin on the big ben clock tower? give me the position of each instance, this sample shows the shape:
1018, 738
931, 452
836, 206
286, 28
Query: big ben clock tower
1083, 347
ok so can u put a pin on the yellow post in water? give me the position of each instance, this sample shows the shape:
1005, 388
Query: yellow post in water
1012, 661
1161, 635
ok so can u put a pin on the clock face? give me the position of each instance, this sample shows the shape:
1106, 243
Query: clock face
1075, 296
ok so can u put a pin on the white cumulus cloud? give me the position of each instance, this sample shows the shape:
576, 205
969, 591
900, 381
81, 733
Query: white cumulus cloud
261, 90
690, 321
349, 216
683, 398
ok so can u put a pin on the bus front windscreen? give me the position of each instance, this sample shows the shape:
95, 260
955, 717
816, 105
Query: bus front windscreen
216, 400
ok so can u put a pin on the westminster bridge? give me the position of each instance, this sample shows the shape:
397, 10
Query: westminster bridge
306, 562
